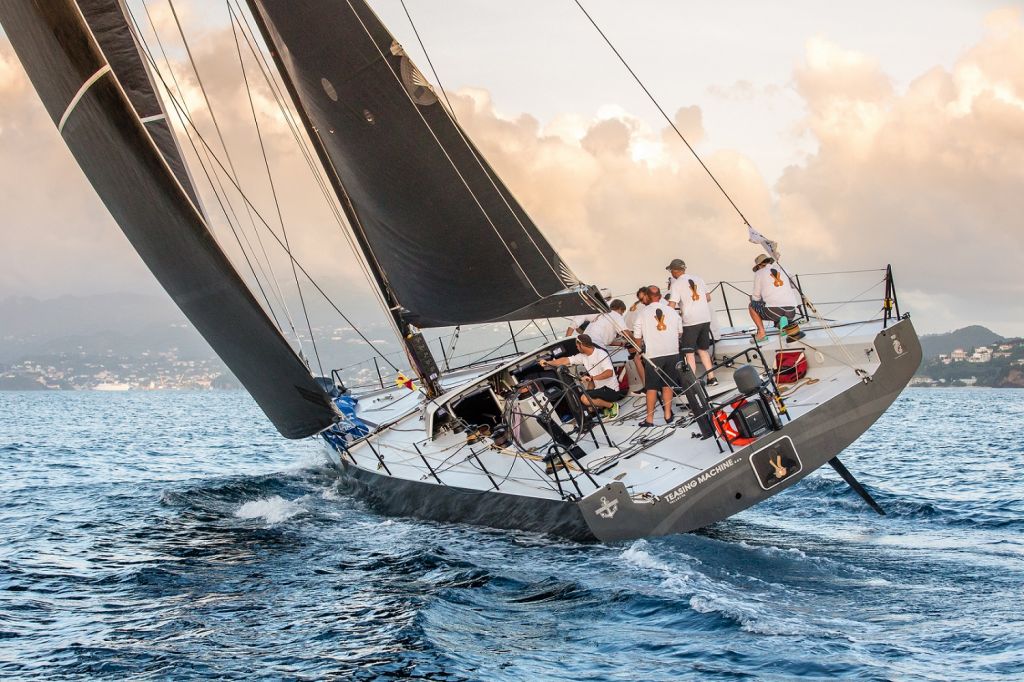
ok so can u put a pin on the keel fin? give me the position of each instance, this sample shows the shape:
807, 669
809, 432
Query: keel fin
855, 484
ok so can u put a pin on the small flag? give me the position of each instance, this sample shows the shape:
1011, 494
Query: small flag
402, 380
770, 247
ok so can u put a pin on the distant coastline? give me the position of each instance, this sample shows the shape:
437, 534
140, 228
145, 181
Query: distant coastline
972, 356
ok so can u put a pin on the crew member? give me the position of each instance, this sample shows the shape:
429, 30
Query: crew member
579, 323
600, 387
642, 299
774, 296
659, 326
689, 295
605, 329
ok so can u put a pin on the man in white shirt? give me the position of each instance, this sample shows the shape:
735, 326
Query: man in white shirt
689, 295
579, 323
642, 299
659, 326
773, 297
607, 327
600, 385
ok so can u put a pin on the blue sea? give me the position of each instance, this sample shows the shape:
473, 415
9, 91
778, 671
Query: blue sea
170, 535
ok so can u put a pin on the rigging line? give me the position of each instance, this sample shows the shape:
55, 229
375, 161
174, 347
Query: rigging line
429, 62
273, 188
149, 56
280, 243
842, 304
379, 283
664, 115
476, 157
441, 146
286, 112
304, 146
223, 192
178, 109
227, 154
833, 337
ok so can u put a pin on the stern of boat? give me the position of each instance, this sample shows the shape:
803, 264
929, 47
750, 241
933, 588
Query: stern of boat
744, 477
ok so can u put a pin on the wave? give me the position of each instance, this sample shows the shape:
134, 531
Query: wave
756, 605
273, 510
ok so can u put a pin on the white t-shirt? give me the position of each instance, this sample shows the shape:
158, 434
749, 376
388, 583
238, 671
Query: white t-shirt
772, 286
575, 322
597, 362
690, 294
659, 342
606, 327
631, 315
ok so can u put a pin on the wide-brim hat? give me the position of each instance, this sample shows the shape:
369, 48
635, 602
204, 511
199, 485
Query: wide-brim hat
676, 264
762, 259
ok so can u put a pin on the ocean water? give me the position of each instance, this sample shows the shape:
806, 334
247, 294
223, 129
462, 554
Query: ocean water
174, 535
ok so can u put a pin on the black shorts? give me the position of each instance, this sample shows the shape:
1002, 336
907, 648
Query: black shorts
604, 393
663, 374
775, 314
696, 336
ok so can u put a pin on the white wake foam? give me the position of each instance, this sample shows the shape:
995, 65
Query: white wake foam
274, 509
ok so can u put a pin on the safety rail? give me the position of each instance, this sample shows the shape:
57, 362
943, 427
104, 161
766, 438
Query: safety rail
887, 297
368, 373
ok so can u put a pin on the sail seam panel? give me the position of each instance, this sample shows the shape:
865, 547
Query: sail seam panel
80, 94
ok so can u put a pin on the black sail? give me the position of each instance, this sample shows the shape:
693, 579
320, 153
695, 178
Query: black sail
108, 21
120, 159
447, 240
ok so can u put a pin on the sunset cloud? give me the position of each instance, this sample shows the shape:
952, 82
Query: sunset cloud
926, 176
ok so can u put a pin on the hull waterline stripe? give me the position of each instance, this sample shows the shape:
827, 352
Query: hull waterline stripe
156, 117
78, 96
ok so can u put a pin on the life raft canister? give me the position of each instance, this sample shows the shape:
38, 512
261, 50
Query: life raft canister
726, 429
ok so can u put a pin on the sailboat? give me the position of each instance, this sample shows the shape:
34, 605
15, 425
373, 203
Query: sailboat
505, 443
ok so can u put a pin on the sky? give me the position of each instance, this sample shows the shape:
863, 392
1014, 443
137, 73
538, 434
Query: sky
855, 135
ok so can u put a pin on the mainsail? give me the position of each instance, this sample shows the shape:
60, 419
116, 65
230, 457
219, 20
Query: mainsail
133, 173
447, 241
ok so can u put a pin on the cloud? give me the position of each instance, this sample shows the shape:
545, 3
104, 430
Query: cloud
926, 177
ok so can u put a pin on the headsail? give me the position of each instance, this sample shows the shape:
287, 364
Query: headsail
122, 161
447, 240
